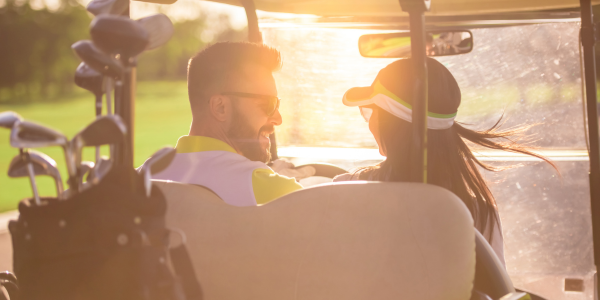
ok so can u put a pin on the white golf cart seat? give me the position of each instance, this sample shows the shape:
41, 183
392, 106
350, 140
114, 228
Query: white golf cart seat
346, 241
6, 263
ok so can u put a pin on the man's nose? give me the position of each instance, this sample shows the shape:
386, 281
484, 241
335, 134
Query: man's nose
276, 119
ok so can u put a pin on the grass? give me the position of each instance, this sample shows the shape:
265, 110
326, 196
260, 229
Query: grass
162, 115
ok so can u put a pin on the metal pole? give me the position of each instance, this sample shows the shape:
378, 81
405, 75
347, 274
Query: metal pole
418, 153
255, 36
589, 61
418, 167
125, 108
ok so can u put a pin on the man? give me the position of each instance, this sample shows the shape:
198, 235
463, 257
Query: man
235, 107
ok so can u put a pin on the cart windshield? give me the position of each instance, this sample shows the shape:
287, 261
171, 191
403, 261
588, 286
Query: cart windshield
529, 73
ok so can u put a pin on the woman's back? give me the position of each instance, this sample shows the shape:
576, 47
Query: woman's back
386, 106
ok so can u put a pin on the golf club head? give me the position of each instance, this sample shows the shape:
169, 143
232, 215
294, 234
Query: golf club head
156, 163
159, 28
105, 130
100, 170
97, 60
8, 119
85, 167
25, 134
42, 165
112, 7
89, 79
159, 161
119, 35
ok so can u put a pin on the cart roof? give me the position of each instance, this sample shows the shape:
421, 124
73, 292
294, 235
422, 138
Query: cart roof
392, 7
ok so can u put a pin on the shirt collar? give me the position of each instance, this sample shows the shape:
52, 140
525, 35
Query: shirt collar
192, 143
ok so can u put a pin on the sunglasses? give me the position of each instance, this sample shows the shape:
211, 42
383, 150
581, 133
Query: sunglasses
272, 100
366, 112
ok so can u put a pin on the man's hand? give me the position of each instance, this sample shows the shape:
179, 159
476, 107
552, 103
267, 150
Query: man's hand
286, 168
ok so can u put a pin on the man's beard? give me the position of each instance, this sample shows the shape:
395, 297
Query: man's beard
246, 140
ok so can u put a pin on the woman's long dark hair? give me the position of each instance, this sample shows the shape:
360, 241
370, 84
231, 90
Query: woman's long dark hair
450, 162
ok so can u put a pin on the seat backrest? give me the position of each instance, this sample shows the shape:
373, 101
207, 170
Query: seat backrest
353, 240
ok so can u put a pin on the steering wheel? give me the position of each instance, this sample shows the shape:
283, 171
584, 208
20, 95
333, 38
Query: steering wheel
491, 277
325, 170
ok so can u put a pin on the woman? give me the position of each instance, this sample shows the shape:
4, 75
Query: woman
386, 106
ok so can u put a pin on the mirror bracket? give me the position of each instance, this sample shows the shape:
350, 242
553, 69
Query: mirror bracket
415, 5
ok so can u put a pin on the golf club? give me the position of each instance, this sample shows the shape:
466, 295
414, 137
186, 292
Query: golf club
25, 170
27, 134
91, 80
97, 60
106, 65
84, 168
105, 130
112, 7
156, 163
42, 165
8, 119
101, 168
119, 35
10, 284
159, 28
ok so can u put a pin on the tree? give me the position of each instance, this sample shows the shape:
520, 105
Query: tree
36, 61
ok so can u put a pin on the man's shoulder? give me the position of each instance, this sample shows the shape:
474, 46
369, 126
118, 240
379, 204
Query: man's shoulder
222, 160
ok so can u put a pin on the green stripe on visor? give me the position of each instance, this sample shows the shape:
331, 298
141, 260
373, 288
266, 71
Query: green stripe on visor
378, 88
391, 103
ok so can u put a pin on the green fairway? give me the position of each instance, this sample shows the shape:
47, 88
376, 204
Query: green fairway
162, 115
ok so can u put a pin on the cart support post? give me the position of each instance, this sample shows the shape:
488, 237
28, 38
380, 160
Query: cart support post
588, 41
255, 36
418, 154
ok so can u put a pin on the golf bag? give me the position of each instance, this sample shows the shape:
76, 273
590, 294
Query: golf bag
107, 242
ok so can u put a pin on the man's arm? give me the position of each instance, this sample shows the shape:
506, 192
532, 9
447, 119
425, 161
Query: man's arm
268, 185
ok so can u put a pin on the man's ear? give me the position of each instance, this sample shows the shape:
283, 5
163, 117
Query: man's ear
220, 107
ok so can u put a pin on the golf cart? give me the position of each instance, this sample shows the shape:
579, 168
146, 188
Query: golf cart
524, 58
409, 240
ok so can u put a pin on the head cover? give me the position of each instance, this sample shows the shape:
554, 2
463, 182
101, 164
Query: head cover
393, 90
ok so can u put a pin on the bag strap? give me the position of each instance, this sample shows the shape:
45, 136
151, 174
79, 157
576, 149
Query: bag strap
182, 264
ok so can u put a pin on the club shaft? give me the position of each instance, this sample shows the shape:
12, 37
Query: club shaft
108, 87
98, 114
71, 162
36, 195
98, 105
59, 188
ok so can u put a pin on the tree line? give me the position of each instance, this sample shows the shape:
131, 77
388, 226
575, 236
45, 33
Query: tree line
37, 64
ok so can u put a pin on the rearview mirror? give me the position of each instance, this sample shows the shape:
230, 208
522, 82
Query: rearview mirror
438, 43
